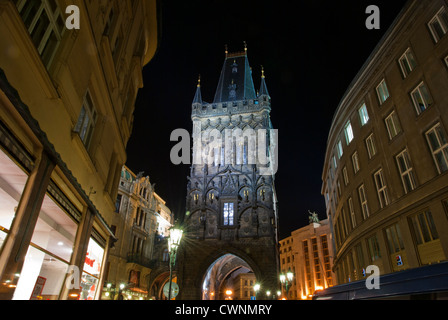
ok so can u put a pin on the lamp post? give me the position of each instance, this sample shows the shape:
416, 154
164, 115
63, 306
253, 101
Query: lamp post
286, 280
173, 245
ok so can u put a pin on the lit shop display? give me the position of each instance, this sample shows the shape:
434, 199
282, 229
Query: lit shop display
48, 256
92, 270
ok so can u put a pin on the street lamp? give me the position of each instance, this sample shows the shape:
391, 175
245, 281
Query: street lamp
286, 280
173, 245
256, 289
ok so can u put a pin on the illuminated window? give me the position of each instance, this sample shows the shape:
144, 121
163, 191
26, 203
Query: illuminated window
439, 24
406, 172
363, 114
407, 63
339, 149
392, 125
382, 91
439, 147
381, 188
421, 98
228, 214
348, 132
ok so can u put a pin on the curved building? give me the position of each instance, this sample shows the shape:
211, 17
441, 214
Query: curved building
385, 177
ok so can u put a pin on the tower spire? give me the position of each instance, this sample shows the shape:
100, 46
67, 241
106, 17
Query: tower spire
263, 87
198, 95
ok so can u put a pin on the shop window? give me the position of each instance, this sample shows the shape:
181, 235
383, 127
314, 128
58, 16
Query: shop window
92, 269
12, 183
48, 256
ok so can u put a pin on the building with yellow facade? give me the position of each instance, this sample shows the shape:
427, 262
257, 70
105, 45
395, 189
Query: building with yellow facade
385, 176
308, 254
141, 218
66, 113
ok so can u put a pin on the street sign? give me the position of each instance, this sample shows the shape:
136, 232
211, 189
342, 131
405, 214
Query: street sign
253, 298
174, 289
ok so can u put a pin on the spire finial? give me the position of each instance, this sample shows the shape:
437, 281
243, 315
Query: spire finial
245, 46
226, 49
262, 72
199, 81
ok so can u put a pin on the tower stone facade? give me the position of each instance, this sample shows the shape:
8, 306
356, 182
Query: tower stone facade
231, 200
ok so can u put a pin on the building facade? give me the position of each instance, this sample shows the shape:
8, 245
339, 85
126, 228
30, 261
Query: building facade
66, 104
231, 200
141, 219
308, 253
385, 177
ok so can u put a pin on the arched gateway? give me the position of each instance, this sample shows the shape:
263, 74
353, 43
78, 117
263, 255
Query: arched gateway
231, 202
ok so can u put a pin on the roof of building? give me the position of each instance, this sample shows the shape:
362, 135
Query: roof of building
235, 82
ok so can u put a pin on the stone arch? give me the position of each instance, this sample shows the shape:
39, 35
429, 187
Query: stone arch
219, 269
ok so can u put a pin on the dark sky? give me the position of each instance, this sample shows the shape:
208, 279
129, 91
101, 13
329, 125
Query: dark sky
310, 51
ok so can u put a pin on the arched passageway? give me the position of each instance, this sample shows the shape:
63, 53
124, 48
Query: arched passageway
228, 277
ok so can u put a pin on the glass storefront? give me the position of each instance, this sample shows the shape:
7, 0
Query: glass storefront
92, 270
48, 256
12, 183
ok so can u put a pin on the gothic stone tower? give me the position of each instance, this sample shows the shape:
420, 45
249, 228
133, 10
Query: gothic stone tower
231, 218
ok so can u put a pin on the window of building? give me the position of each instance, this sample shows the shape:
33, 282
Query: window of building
228, 214
406, 172
439, 147
348, 132
352, 212
439, 24
424, 227
335, 164
339, 150
394, 239
370, 144
44, 22
118, 202
355, 161
392, 125
407, 63
363, 114
381, 188
86, 120
345, 175
374, 248
382, 91
363, 201
421, 98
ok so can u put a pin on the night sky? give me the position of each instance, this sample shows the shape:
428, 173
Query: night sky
310, 51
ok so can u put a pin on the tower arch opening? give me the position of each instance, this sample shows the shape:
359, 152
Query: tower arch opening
228, 273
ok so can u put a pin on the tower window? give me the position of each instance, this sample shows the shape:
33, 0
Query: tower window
228, 214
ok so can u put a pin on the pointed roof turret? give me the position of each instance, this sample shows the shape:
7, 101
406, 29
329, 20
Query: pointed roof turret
263, 88
198, 95
235, 82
